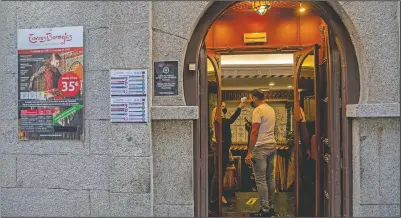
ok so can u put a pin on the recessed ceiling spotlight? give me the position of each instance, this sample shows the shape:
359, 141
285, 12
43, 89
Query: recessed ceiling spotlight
289, 86
271, 84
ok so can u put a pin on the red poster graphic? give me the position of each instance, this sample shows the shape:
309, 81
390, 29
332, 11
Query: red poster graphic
50, 83
69, 84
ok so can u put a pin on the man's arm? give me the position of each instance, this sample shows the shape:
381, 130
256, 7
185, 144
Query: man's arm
256, 121
254, 136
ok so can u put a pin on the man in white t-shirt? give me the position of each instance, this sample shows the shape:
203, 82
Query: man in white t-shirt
261, 151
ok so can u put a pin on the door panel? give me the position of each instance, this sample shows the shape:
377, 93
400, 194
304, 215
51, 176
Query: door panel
333, 159
215, 59
325, 169
201, 150
318, 126
346, 126
306, 68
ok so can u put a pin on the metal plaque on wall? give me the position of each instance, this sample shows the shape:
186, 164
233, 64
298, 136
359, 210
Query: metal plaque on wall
166, 78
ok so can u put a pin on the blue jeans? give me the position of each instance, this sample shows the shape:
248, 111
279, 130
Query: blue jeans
263, 167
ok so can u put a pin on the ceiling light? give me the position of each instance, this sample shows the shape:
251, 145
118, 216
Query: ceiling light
260, 7
302, 8
289, 86
271, 84
257, 59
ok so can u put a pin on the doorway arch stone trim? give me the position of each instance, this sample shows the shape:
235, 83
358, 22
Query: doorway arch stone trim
333, 14
329, 9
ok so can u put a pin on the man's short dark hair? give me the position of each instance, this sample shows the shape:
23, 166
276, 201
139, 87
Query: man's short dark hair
258, 94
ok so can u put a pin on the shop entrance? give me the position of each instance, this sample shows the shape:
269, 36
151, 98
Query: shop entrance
306, 80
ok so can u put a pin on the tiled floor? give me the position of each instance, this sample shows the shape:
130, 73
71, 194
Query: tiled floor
284, 205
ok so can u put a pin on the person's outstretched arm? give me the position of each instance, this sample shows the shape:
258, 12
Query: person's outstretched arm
236, 114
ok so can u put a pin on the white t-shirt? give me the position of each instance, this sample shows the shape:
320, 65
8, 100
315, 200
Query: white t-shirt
265, 115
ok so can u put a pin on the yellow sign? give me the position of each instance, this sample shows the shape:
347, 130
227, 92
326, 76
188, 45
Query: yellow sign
255, 37
251, 201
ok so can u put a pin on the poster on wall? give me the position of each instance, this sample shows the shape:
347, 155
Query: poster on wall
128, 96
50, 83
166, 78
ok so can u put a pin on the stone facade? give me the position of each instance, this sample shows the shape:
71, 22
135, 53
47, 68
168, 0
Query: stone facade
147, 169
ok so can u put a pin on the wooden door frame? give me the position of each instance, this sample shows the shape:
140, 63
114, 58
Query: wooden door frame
201, 136
350, 83
299, 58
211, 55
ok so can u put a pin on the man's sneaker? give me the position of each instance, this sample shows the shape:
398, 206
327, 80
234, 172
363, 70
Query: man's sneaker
261, 213
273, 213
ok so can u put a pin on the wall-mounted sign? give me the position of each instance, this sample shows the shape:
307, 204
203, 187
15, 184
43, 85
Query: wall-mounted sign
255, 38
165, 78
131, 109
128, 82
50, 83
128, 96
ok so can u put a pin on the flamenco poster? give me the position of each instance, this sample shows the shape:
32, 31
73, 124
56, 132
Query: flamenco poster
50, 84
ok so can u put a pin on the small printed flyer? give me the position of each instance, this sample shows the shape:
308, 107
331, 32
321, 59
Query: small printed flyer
50, 83
128, 96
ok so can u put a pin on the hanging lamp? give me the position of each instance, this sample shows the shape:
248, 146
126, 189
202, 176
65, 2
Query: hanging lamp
260, 7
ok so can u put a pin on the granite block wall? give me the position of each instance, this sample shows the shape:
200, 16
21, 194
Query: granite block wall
107, 174
374, 29
376, 160
134, 170
173, 156
172, 29
173, 167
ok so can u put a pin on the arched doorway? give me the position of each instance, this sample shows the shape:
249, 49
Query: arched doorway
340, 197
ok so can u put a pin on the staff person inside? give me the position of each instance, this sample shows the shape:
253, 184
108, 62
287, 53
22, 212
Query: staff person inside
226, 143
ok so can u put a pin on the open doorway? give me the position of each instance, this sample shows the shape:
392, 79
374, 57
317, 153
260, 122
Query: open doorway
291, 54
238, 61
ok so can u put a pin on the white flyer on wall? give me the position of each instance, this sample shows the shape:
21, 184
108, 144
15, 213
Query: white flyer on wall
128, 96
128, 82
129, 109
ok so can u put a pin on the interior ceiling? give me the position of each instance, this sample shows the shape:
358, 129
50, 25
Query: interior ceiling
247, 64
254, 83
287, 8
275, 83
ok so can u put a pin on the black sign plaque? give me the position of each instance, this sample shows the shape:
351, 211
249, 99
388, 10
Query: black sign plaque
166, 78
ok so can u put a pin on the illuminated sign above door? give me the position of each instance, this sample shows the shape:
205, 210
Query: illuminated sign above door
255, 38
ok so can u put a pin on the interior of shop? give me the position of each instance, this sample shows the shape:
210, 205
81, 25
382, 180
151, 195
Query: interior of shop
257, 45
